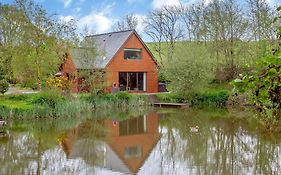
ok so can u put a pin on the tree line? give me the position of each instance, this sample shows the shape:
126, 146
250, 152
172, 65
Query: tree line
33, 43
225, 34
192, 43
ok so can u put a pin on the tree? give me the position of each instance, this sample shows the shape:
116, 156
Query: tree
264, 83
155, 30
261, 28
193, 19
190, 70
10, 37
128, 22
172, 28
34, 43
91, 78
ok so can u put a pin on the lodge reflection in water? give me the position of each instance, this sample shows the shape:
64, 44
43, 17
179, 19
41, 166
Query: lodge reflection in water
122, 148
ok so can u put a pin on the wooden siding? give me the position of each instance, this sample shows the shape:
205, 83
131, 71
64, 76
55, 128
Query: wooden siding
146, 64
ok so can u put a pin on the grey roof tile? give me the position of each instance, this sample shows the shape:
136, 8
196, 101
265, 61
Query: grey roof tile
106, 45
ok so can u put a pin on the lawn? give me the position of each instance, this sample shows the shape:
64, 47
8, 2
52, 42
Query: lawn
16, 103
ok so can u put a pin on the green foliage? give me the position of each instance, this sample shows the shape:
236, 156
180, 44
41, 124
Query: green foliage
171, 98
190, 70
49, 98
121, 99
4, 86
210, 98
264, 83
35, 42
207, 98
123, 96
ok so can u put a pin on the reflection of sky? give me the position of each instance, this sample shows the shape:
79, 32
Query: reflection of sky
54, 162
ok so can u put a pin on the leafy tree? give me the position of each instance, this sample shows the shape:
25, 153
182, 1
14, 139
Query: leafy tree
264, 83
190, 70
40, 42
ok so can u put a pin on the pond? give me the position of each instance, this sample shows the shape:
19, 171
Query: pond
153, 141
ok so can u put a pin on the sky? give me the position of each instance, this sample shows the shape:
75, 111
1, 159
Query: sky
100, 15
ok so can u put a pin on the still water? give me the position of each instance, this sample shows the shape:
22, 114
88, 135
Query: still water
148, 142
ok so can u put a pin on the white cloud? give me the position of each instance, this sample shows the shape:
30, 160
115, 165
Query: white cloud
160, 3
66, 18
99, 21
273, 3
66, 3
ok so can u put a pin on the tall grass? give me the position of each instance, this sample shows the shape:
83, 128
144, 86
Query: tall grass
121, 100
52, 104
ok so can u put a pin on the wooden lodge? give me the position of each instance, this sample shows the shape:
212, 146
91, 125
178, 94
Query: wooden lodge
123, 57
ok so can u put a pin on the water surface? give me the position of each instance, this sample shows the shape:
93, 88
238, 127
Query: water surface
140, 142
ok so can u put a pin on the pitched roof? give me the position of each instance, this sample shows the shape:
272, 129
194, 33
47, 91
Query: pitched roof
106, 45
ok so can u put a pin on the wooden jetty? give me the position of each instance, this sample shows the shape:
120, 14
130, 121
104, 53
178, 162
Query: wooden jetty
2, 123
175, 105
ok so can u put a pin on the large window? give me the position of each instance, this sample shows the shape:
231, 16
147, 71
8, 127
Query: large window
132, 54
132, 81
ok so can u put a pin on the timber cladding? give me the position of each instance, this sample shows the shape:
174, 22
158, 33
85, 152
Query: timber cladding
145, 64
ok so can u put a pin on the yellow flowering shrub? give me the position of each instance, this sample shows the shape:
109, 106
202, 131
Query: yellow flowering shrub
60, 83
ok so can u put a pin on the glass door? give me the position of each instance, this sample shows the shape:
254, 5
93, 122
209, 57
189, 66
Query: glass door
132, 81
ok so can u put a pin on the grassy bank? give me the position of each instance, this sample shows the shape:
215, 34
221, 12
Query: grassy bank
217, 98
53, 104
213, 95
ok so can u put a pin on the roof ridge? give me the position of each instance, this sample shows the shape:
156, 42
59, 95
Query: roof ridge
110, 33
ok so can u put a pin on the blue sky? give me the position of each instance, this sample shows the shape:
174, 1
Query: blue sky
100, 15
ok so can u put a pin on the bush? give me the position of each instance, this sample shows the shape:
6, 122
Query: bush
217, 98
209, 98
29, 83
4, 85
59, 83
123, 96
49, 98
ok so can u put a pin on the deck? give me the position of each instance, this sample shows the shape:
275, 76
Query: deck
177, 105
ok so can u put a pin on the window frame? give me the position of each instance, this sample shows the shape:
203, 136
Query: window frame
133, 49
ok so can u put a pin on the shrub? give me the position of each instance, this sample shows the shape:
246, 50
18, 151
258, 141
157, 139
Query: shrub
123, 96
217, 98
49, 98
58, 83
29, 83
4, 85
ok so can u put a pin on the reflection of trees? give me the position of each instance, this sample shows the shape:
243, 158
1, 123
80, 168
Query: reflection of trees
32, 148
220, 147
15, 155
